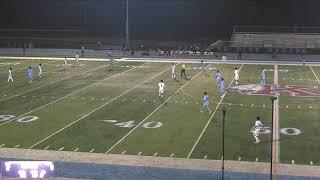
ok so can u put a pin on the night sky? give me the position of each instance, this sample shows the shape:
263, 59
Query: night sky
158, 19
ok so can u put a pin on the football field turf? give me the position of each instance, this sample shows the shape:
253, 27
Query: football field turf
92, 109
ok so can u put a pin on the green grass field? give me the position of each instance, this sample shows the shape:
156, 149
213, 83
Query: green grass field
91, 109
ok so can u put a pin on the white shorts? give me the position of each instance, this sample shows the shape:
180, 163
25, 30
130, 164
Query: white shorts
10, 77
161, 91
236, 77
256, 132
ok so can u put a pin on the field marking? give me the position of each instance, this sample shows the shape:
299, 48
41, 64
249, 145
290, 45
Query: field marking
123, 152
2, 145
276, 137
172, 155
84, 88
61, 149
46, 148
315, 75
16, 146
91, 150
141, 122
75, 150
45, 85
214, 112
155, 154
110, 121
276, 132
93, 111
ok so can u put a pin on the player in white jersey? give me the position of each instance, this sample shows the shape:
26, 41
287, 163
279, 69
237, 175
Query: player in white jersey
173, 72
77, 57
40, 71
161, 88
10, 78
258, 126
236, 75
65, 63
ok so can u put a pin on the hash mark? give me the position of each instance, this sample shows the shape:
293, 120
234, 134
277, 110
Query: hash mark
92, 150
76, 150
46, 148
155, 154
124, 152
61, 149
2, 145
17, 146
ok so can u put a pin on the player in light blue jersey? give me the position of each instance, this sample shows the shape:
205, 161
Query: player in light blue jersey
263, 76
222, 87
218, 77
202, 67
30, 74
205, 103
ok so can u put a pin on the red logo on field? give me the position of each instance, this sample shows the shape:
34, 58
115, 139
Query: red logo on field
270, 90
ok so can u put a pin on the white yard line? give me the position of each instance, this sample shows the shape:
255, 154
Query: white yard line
118, 142
214, 112
50, 83
93, 111
315, 75
84, 88
276, 132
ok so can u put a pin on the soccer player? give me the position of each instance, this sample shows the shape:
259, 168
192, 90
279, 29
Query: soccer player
258, 126
77, 57
202, 67
111, 62
65, 63
263, 76
183, 71
236, 75
40, 70
161, 88
222, 87
173, 72
218, 77
30, 73
82, 51
10, 78
206, 103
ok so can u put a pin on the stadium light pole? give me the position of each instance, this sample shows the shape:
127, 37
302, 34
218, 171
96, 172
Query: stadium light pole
273, 98
224, 110
127, 26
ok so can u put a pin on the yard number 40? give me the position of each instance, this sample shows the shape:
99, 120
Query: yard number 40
24, 119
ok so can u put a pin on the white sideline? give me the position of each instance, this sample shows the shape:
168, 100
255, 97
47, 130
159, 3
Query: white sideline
214, 112
152, 112
314, 74
178, 60
93, 111
84, 88
50, 83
